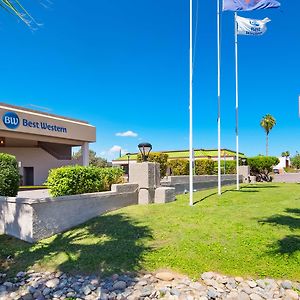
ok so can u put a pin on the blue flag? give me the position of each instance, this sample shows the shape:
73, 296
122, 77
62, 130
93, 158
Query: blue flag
244, 5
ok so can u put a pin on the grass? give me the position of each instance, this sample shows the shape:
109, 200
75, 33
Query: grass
254, 232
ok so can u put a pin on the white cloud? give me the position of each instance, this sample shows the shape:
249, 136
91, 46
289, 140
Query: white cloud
115, 149
128, 133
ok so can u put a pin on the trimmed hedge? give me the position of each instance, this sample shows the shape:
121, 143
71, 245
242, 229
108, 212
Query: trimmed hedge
204, 167
74, 180
9, 175
160, 158
230, 167
179, 167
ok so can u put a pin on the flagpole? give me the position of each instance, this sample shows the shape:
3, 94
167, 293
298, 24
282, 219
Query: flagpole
191, 104
219, 99
236, 101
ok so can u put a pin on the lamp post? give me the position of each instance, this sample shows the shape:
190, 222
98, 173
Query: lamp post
145, 149
128, 156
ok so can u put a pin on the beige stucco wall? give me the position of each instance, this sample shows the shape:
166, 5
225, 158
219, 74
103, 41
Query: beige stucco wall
41, 160
35, 219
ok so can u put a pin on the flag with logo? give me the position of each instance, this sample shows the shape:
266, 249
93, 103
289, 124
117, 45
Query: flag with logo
246, 5
250, 26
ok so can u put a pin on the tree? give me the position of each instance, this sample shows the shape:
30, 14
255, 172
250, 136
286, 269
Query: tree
262, 166
93, 158
267, 123
285, 154
296, 161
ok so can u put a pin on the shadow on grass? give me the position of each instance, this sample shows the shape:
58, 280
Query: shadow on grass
293, 211
105, 245
290, 244
260, 186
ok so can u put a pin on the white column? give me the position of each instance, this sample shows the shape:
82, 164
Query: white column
219, 98
85, 154
191, 184
236, 102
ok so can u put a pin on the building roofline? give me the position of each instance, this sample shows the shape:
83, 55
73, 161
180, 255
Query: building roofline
41, 113
175, 151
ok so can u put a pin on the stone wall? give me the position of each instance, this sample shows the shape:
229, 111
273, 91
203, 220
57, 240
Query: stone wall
34, 219
202, 182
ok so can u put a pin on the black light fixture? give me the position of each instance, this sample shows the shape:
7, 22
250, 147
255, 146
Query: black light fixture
145, 149
244, 161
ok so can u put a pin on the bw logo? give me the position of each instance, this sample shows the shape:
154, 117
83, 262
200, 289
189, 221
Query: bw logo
11, 120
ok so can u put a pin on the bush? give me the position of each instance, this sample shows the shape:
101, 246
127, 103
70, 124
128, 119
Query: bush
295, 160
179, 167
160, 158
204, 167
262, 166
9, 175
230, 167
74, 180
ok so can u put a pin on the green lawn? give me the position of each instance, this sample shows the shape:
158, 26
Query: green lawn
253, 232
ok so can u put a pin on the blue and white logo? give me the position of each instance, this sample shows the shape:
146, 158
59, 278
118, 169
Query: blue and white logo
11, 120
254, 23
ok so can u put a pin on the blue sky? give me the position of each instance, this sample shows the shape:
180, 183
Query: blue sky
123, 66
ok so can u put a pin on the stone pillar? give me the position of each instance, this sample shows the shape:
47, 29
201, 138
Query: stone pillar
245, 172
85, 154
147, 176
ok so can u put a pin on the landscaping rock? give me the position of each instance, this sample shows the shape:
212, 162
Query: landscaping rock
120, 285
163, 285
287, 285
165, 276
53, 283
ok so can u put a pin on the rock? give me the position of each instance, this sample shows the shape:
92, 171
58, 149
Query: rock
290, 294
21, 274
31, 289
46, 291
27, 296
165, 276
287, 285
143, 282
243, 296
120, 285
207, 275
58, 294
212, 293
239, 279
255, 297
52, 283
251, 283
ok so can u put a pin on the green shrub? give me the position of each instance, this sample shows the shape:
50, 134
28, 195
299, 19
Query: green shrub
160, 158
9, 175
179, 167
229, 165
204, 167
295, 160
74, 180
262, 166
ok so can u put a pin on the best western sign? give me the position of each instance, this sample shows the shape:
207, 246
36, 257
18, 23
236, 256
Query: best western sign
20, 121
12, 121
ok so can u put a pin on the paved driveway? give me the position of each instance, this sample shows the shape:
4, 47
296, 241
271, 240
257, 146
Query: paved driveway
288, 177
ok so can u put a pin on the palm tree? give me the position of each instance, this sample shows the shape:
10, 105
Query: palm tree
267, 123
15, 8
